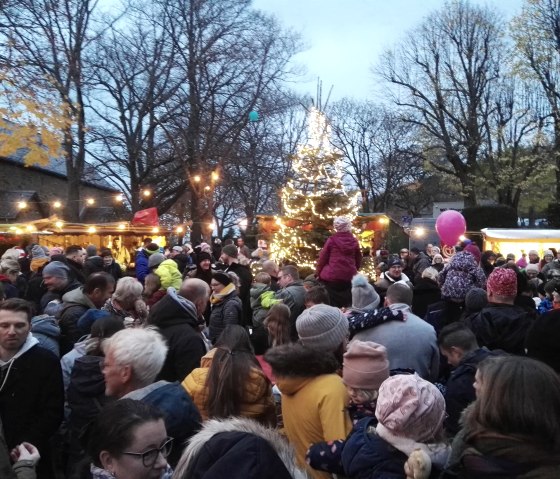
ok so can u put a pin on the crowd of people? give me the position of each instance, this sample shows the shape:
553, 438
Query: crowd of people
181, 362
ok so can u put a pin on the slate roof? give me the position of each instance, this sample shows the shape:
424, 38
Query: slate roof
57, 167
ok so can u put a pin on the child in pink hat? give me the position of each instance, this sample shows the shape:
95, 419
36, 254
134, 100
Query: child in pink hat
364, 369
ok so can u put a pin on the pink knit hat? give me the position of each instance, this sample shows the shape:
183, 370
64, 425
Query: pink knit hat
365, 365
502, 282
410, 407
341, 223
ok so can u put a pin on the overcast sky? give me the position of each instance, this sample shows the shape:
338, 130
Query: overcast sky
345, 37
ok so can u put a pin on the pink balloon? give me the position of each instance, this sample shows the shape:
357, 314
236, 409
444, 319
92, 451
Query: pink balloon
449, 226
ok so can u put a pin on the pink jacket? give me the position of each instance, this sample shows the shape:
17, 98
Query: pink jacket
340, 258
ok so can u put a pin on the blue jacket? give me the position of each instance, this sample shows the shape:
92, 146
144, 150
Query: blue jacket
142, 268
367, 456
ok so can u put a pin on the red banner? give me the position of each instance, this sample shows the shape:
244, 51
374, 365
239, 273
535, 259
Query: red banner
147, 217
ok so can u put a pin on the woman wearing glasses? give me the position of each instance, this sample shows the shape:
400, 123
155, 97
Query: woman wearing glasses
128, 440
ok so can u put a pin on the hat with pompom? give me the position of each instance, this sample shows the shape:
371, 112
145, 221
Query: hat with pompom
364, 296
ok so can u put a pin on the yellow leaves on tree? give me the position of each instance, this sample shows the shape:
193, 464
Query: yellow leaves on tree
31, 124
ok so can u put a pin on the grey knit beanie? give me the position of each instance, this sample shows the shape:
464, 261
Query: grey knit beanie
364, 296
322, 327
476, 299
155, 260
57, 269
38, 252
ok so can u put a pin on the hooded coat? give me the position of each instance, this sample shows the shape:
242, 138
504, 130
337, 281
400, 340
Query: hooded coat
75, 304
31, 397
238, 448
314, 398
340, 258
177, 319
169, 274
45, 329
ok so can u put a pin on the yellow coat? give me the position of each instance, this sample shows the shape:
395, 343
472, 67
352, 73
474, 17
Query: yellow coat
257, 404
314, 410
169, 274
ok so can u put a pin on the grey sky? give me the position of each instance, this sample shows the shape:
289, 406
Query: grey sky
345, 37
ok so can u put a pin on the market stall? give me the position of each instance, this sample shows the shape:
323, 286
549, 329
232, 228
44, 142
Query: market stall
518, 241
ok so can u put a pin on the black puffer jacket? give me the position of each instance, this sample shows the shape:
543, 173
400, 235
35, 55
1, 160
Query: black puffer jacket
501, 326
177, 320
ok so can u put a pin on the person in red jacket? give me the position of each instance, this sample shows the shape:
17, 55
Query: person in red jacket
339, 261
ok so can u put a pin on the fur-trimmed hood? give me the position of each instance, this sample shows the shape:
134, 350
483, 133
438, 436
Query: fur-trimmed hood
297, 360
221, 447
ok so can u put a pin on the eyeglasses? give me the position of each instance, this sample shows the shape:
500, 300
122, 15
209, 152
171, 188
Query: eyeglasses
150, 457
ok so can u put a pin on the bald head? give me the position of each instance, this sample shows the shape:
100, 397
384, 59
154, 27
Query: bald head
197, 292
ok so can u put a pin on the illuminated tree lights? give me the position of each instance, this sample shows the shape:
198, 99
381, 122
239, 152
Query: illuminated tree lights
312, 198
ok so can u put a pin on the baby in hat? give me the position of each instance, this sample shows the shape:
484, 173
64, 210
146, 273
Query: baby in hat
408, 418
364, 369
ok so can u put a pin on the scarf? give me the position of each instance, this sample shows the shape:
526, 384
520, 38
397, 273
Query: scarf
219, 297
361, 321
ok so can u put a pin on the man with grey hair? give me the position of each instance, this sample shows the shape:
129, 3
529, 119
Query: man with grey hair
133, 359
411, 343
178, 315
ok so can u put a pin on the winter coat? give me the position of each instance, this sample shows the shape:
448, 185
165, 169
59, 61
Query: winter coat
49, 296
238, 448
182, 418
426, 292
443, 312
367, 455
20, 470
257, 404
501, 326
75, 304
77, 269
169, 274
314, 398
228, 311
259, 311
67, 361
45, 329
461, 274
141, 265
177, 320
10, 291
385, 280
114, 269
32, 396
459, 390
411, 344
488, 455
86, 398
421, 262
246, 279
293, 296
340, 258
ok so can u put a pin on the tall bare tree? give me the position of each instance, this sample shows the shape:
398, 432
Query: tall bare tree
43, 42
233, 56
536, 32
381, 151
441, 75
137, 89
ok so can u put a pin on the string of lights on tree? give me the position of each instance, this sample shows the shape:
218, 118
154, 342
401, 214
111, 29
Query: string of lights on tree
312, 198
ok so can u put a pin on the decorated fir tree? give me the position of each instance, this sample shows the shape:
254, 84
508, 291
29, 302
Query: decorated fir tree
312, 198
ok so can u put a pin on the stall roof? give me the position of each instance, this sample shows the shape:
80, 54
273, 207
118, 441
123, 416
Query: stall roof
520, 235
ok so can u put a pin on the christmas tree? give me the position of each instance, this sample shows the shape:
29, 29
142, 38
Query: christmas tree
312, 198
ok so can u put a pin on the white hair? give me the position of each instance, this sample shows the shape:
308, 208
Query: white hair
128, 290
143, 349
